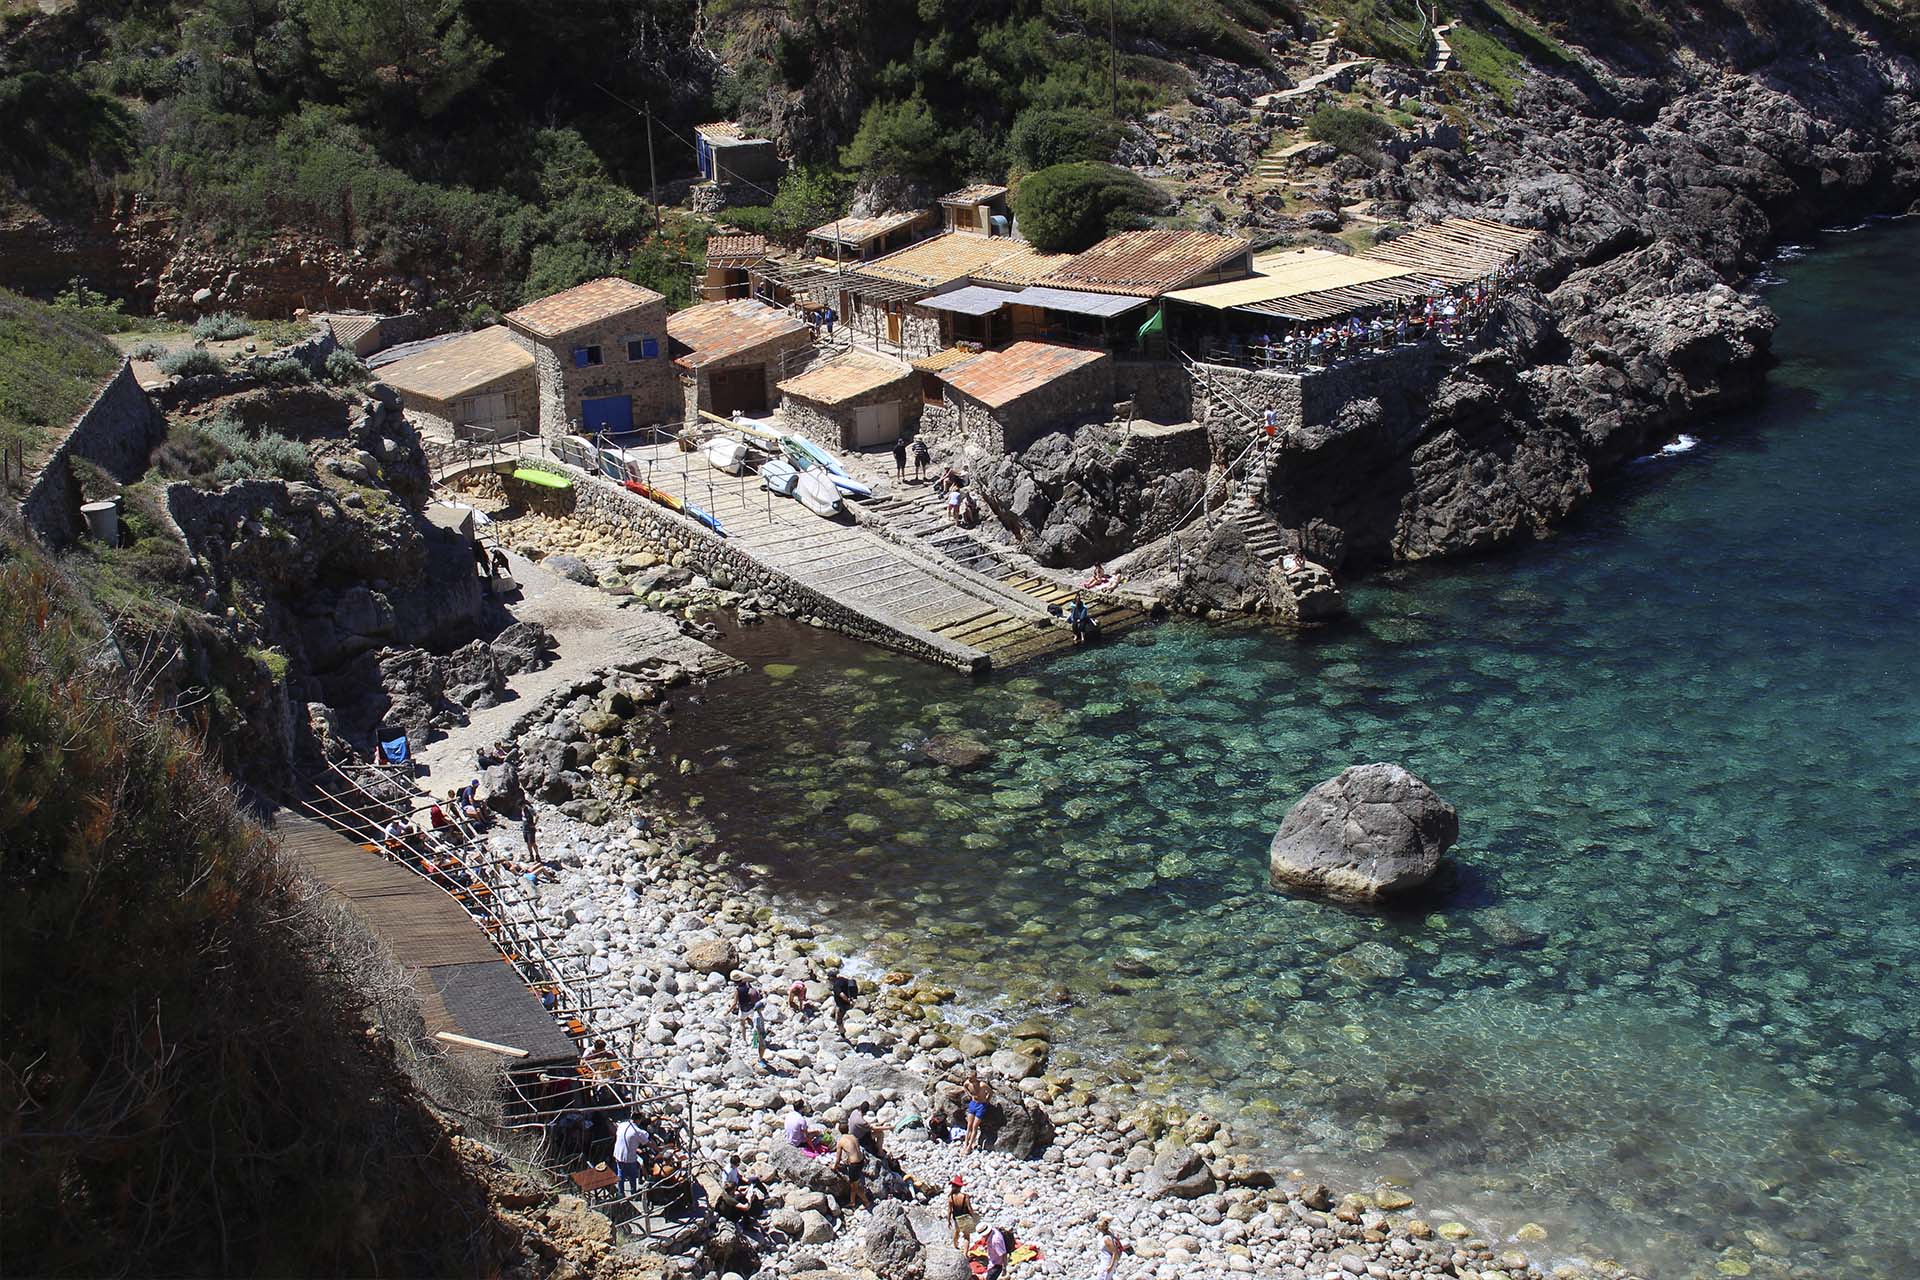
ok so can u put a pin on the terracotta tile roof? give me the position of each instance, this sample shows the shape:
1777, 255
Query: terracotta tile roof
716, 330
1018, 270
978, 193
1145, 263
348, 330
858, 231
720, 131
844, 377
940, 361
584, 304
998, 378
954, 255
736, 249
459, 366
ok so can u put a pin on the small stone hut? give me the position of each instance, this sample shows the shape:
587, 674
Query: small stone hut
1004, 400
729, 354
600, 350
854, 401
479, 386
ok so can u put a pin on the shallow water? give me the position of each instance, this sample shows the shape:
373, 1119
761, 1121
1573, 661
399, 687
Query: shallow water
1664, 1003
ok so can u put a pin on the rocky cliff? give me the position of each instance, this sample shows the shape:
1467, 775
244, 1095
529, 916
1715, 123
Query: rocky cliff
1662, 182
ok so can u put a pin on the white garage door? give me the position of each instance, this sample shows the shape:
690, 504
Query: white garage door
876, 424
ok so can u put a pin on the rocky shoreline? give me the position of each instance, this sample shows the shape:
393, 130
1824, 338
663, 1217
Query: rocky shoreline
664, 918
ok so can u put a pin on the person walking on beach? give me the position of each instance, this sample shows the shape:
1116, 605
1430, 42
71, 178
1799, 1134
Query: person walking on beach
960, 1215
1110, 1250
797, 995
921, 457
900, 459
529, 829
760, 1034
978, 1096
745, 999
844, 991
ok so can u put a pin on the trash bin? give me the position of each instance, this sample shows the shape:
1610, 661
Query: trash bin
103, 521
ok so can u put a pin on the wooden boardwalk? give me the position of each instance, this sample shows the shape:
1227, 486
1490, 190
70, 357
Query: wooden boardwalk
466, 986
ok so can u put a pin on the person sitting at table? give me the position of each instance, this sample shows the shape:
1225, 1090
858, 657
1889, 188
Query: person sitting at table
438, 817
599, 1053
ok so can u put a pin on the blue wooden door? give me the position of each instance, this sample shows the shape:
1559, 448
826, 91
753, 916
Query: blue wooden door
607, 413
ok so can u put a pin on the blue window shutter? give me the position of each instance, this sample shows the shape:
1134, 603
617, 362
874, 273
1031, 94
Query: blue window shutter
579, 357
649, 347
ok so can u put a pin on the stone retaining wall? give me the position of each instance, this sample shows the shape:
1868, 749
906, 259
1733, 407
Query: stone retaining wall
613, 511
1309, 400
1161, 390
116, 432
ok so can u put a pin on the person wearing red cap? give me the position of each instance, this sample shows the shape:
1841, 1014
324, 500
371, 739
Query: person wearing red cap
960, 1215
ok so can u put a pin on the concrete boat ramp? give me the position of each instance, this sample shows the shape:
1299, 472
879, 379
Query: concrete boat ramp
885, 559
889, 570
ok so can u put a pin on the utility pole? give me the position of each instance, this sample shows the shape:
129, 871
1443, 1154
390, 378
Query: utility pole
1113, 68
653, 182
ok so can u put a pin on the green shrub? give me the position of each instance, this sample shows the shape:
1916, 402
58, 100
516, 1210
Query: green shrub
343, 369
149, 351
285, 373
900, 140
1043, 138
220, 450
1067, 208
1355, 132
191, 361
221, 326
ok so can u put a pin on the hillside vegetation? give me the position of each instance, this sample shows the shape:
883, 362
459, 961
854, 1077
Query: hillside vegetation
188, 1086
51, 366
508, 140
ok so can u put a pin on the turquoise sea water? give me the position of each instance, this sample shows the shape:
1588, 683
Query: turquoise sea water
1665, 1003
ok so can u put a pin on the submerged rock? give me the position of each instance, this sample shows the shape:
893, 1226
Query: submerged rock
957, 752
1373, 831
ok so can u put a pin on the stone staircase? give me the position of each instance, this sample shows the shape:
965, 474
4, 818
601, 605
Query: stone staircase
1266, 538
916, 513
1440, 58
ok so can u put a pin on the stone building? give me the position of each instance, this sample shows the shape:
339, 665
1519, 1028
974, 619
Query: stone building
480, 385
908, 299
1002, 401
852, 239
735, 167
600, 351
854, 401
980, 208
729, 354
731, 259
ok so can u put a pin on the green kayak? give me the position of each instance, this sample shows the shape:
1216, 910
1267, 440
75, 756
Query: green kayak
533, 476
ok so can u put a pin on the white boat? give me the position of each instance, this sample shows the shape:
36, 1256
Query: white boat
724, 454
817, 493
778, 475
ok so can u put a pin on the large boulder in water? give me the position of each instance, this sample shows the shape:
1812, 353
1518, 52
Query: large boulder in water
1374, 831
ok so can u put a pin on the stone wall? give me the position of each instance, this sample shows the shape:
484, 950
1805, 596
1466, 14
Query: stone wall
920, 333
1161, 451
116, 432
613, 511
550, 382
1160, 390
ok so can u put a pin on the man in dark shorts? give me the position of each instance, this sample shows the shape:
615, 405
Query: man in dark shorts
845, 989
979, 1095
900, 459
850, 1162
